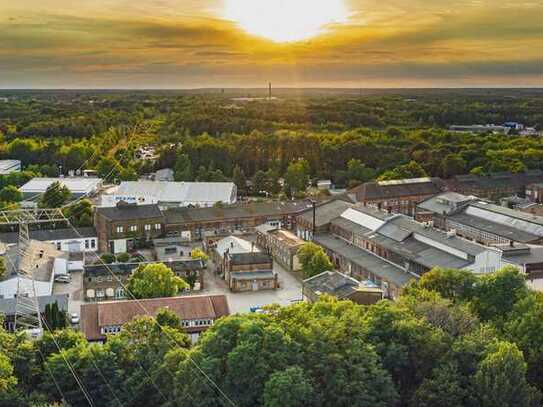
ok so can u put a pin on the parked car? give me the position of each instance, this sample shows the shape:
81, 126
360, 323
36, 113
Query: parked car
74, 318
63, 278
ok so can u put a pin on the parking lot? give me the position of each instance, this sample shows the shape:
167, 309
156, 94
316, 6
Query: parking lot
74, 289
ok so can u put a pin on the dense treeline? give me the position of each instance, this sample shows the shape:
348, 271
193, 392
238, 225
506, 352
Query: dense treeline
452, 339
347, 137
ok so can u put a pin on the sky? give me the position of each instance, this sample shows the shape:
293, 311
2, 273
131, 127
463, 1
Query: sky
292, 43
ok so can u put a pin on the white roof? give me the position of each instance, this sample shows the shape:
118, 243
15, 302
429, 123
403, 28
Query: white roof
76, 185
362, 219
235, 245
166, 191
9, 164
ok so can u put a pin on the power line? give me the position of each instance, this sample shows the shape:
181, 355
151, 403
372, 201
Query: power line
139, 303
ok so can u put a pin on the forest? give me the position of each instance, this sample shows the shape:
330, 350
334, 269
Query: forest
452, 339
218, 135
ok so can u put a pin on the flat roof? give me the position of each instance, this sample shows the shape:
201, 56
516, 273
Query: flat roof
9, 164
76, 185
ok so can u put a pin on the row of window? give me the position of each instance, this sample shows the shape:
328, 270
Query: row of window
197, 322
119, 293
110, 330
89, 244
134, 228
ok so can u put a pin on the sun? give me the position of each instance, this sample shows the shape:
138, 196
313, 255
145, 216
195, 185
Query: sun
285, 20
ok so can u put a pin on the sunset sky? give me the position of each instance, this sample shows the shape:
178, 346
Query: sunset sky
246, 43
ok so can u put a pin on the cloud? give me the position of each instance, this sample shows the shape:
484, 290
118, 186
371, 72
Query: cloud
185, 43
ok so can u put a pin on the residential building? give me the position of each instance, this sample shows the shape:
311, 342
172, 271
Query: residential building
197, 313
78, 186
282, 244
9, 166
397, 196
8, 307
495, 185
251, 271
322, 213
70, 240
341, 286
168, 194
482, 221
201, 223
126, 227
102, 282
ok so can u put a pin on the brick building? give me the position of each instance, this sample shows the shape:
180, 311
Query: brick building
197, 314
397, 196
251, 271
282, 244
126, 227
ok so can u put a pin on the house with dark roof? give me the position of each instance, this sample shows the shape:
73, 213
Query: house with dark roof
397, 196
126, 227
341, 286
197, 313
71, 240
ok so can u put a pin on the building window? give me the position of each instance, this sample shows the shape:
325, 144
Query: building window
119, 292
87, 244
99, 279
120, 229
133, 228
109, 278
59, 246
93, 244
147, 227
158, 226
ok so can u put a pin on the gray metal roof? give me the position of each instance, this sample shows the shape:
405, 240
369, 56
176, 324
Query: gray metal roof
366, 260
130, 212
7, 305
511, 213
326, 212
253, 275
50, 234
447, 202
504, 231
337, 284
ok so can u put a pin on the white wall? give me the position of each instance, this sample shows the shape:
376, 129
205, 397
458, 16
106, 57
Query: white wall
488, 261
119, 246
76, 245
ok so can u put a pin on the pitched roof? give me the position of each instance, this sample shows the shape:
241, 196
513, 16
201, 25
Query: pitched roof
50, 234
239, 211
337, 284
370, 191
167, 191
250, 258
114, 313
325, 212
128, 212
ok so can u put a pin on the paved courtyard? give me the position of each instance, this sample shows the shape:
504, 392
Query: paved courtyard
289, 291
74, 289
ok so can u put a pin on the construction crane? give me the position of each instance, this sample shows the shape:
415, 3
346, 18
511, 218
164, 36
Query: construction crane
27, 306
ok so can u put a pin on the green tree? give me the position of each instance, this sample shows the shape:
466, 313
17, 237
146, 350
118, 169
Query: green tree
443, 388
260, 182
80, 213
109, 169
288, 388
453, 164
183, 168
199, 254
313, 260
108, 258
155, 281
7, 379
410, 170
3, 269
56, 319
55, 196
456, 285
123, 257
501, 379
358, 172
238, 177
10, 193
297, 177
497, 293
